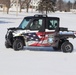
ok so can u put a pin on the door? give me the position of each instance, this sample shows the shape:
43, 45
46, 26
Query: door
50, 31
35, 32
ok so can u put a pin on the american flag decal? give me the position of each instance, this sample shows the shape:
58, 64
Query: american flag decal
32, 37
38, 39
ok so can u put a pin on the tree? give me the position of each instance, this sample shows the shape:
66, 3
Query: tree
6, 4
46, 5
60, 5
21, 2
24, 2
69, 5
27, 4
74, 5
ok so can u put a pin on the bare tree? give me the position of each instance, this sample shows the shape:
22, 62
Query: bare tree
24, 2
60, 5
21, 2
6, 3
27, 4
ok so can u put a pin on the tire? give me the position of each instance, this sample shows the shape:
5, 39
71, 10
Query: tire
7, 45
18, 45
67, 47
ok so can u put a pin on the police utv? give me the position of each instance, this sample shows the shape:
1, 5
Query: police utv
39, 30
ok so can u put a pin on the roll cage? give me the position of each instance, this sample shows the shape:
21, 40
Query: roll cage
51, 23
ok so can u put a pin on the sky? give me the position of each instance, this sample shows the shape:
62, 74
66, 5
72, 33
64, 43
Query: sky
70, 0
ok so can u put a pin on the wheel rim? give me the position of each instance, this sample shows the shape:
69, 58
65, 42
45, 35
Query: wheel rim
68, 48
19, 45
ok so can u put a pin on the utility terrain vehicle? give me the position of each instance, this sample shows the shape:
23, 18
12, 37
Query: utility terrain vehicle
39, 30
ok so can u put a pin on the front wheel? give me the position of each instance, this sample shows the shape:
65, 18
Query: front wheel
17, 45
7, 44
67, 47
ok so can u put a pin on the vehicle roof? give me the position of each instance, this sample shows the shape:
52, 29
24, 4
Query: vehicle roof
41, 17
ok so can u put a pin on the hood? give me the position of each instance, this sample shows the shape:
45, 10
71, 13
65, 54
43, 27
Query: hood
15, 28
16, 31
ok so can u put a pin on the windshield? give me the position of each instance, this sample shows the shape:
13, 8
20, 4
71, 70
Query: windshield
24, 23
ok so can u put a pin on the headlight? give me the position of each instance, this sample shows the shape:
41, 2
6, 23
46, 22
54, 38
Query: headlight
16, 33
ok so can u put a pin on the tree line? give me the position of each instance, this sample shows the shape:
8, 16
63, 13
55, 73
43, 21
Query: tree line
61, 5
43, 5
56, 5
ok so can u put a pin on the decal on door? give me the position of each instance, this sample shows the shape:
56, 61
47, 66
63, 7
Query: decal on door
38, 39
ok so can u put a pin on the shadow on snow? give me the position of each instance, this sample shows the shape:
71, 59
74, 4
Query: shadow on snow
1, 22
9, 18
38, 48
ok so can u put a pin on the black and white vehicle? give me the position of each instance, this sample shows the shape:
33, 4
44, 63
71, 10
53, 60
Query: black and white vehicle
39, 30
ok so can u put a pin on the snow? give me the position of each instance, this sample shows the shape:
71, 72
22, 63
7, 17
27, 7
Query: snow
36, 61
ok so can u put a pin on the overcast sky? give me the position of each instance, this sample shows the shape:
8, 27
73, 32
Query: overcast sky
70, 0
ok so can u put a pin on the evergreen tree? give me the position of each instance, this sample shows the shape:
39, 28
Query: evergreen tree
69, 5
46, 5
74, 5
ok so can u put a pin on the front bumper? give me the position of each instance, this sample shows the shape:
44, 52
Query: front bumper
9, 38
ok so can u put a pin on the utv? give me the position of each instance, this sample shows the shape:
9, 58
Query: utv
39, 30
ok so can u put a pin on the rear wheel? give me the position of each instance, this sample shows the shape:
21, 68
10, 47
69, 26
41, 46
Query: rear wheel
67, 47
17, 45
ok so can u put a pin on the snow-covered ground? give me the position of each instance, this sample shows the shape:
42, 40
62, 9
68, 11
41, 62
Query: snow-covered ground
45, 61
